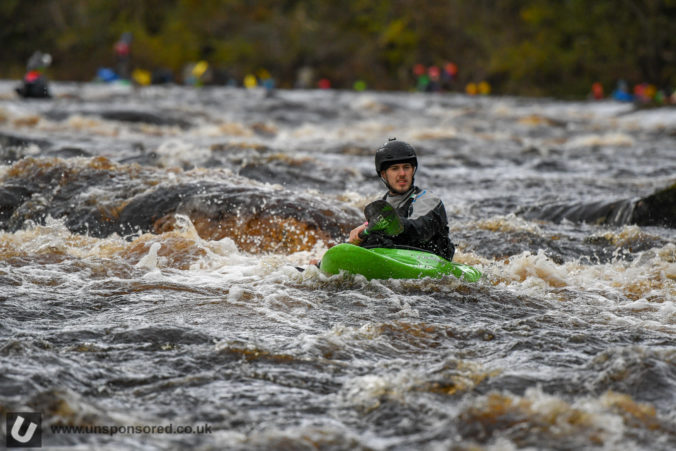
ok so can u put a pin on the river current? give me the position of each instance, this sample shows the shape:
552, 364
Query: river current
150, 239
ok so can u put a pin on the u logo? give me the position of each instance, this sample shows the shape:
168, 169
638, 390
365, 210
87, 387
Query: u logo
21, 436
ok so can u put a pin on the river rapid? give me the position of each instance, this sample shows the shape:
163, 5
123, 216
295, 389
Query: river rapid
149, 243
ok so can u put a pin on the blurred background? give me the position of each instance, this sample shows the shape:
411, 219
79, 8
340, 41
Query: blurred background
565, 49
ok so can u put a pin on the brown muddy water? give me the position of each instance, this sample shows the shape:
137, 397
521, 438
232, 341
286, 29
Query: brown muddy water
149, 239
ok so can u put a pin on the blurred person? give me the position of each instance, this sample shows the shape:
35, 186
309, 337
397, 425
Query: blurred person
621, 92
123, 55
267, 81
162, 76
597, 91
250, 81
34, 83
484, 88
422, 80
197, 74
359, 86
448, 75
644, 92
435, 79
324, 83
305, 78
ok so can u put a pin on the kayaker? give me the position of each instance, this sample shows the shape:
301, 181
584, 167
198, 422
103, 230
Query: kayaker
425, 225
34, 83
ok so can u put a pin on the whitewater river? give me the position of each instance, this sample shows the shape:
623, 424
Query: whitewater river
149, 240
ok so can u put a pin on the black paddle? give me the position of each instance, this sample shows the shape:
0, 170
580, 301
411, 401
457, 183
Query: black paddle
382, 217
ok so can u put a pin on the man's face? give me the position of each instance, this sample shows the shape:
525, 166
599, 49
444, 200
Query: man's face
399, 176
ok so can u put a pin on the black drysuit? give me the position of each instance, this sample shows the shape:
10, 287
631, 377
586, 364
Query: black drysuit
425, 224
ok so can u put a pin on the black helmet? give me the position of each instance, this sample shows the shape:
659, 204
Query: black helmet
394, 151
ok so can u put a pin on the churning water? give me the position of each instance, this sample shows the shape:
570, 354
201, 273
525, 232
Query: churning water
149, 239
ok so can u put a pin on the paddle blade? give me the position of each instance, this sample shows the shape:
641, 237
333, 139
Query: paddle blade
382, 217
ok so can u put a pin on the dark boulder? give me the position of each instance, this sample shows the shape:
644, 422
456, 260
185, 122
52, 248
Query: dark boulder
97, 197
11, 197
658, 209
144, 117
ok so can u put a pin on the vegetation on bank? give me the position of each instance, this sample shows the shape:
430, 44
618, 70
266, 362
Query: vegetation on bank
525, 47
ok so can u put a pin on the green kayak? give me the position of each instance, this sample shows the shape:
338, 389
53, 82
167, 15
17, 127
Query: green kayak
381, 263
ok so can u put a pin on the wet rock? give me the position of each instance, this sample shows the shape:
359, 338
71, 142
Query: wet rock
131, 116
611, 213
56, 115
305, 175
256, 219
293, 171
145, 159
98, 198
13, 141
289, 112
351, 149
658, 209
82, 192
11, 197
69, 152
536, 120
144, 117
266, 130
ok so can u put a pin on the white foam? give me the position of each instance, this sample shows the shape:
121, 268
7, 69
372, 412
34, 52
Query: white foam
178, 153
600, 140
149, 261
654, 119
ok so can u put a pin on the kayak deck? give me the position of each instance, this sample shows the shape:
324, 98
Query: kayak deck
382, 263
